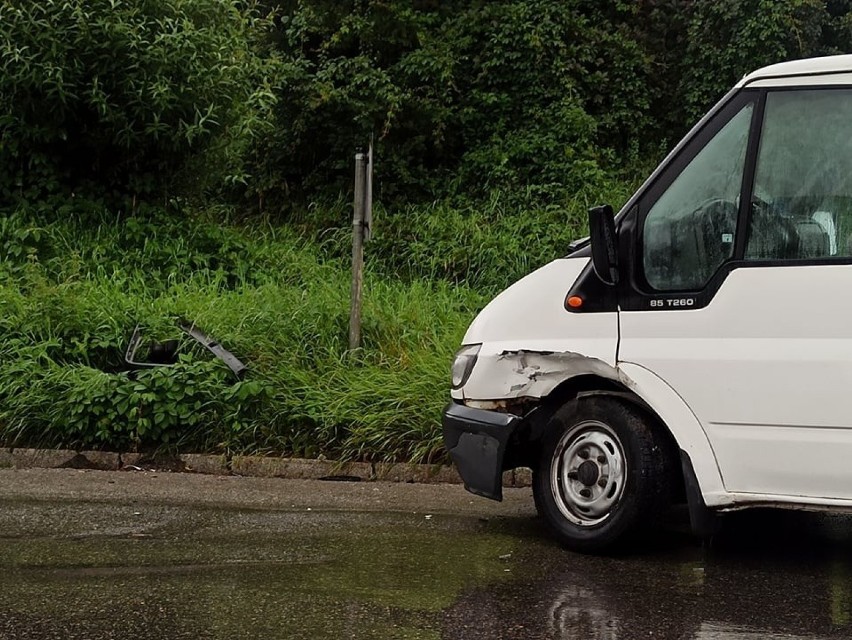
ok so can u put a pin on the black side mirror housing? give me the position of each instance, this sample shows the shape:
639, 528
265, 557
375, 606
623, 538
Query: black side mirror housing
604, 243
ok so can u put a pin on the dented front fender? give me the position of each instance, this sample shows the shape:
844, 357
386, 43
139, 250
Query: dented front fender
516, 374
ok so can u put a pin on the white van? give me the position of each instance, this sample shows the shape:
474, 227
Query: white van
699, 345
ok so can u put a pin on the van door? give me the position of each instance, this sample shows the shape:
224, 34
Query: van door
740, 289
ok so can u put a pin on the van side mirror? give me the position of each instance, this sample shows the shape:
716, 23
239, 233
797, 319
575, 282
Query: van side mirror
604, 243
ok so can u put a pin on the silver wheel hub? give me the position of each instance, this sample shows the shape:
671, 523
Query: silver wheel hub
587, 473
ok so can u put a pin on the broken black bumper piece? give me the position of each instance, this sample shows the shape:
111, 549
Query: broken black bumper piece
165, 354
476, 440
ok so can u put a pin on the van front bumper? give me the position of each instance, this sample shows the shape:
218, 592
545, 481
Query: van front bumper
476, 440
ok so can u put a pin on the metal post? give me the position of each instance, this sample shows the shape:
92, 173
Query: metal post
357, 251
368, 195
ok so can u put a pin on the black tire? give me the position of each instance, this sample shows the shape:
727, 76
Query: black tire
587, 441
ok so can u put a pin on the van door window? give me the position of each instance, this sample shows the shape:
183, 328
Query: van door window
802, 199
689, 232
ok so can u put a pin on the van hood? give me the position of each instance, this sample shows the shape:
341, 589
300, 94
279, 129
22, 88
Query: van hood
532, 309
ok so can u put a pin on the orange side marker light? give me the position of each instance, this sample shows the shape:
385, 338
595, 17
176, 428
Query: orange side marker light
575, 302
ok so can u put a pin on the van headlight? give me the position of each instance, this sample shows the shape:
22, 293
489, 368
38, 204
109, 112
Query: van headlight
463, 364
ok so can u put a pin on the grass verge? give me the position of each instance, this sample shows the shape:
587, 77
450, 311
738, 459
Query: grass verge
75, 281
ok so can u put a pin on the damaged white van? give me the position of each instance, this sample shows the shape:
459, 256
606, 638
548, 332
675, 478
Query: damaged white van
698, 345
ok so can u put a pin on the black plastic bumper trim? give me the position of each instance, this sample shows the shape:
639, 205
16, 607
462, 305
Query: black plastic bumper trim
476, 440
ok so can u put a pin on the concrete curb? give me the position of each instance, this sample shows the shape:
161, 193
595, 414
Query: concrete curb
253, 466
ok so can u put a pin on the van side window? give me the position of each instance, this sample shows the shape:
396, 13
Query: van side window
689, 232
802, 200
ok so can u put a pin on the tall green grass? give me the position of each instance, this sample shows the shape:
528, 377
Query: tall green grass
74, 284
485, 245
71, 293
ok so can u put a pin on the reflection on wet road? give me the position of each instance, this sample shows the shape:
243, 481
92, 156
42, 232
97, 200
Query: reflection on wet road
82, 569
769, 576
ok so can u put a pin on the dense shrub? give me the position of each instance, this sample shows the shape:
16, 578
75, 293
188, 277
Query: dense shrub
108, 97
728, 39
535, 97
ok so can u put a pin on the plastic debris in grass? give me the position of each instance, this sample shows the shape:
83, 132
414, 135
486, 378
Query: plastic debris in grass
164, 354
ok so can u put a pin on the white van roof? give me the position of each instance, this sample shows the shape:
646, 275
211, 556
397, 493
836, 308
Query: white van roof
807, 67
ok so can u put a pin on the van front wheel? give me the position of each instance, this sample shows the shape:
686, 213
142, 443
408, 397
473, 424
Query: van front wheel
604, 474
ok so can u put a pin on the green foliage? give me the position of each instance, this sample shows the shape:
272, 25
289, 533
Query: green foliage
163, 407
109, 97
553, 91
66, 317
534, 98
521, 119
486, 245
728, 39
73, 287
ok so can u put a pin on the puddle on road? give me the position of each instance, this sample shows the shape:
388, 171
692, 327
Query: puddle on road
196, 573
249, 575
769, 576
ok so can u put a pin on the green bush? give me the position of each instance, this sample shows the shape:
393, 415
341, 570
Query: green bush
728, 39
535, 96
108, 98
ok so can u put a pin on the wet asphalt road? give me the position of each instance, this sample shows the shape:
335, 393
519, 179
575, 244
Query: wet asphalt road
163, 556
